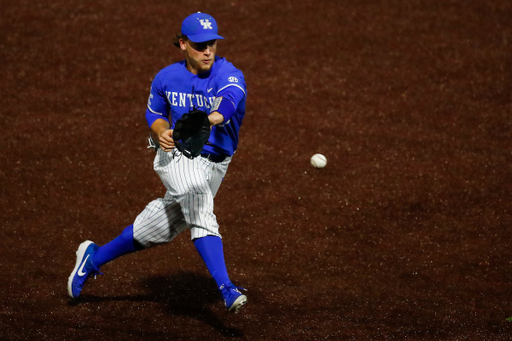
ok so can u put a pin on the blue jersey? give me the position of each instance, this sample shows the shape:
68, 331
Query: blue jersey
176, 91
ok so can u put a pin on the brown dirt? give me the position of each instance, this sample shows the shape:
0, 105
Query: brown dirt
404, 235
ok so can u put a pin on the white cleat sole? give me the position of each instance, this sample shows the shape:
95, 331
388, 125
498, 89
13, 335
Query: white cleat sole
239, 302
79, 257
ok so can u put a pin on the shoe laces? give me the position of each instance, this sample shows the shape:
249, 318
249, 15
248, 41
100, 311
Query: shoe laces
227, 288
96, 273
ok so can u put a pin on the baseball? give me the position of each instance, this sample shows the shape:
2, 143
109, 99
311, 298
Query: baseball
318, 161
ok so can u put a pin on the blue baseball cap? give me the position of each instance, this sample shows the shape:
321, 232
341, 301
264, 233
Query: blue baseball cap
200, 27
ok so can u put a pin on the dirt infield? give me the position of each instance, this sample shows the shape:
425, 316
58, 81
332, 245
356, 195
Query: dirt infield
404, 235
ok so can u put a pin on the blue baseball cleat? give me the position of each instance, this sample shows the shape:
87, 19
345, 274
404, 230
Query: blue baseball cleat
233, 298
84, 268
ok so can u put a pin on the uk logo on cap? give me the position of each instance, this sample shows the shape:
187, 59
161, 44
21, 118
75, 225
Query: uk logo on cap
207, 25
200, 27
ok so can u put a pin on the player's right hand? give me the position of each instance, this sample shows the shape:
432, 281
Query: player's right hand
166, 141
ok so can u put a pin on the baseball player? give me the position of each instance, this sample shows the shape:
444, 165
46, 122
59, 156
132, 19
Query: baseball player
206, 82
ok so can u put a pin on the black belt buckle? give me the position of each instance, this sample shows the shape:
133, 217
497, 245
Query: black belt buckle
214, 158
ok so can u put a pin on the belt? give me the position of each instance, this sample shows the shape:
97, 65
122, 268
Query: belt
214, 158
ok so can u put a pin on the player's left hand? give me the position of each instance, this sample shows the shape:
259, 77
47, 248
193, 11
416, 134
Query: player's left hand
166, 141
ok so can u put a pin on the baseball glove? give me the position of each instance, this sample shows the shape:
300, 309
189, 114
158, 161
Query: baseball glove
191, 132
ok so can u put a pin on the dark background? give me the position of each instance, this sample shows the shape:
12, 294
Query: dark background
404, 235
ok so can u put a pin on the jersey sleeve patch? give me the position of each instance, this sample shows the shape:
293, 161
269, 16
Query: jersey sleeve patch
216, 104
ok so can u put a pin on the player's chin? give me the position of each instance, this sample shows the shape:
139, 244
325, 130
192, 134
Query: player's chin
206, 66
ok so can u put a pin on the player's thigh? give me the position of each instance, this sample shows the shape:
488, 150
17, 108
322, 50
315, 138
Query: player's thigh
216, 174
160, 222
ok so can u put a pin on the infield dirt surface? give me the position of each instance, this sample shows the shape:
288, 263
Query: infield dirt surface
405, 235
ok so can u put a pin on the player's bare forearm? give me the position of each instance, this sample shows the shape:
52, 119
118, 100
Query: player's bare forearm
161, 128
215, 118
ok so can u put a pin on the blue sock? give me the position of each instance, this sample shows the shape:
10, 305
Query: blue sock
211, 250
121, 245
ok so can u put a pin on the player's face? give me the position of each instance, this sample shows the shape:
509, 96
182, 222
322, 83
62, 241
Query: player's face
200, 56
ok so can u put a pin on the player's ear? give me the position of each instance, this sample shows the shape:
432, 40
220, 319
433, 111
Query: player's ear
183, 44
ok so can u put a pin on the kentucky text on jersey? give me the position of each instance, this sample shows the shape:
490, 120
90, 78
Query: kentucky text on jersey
184, 100
179, 99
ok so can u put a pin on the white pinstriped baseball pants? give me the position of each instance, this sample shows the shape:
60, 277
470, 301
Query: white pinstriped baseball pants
188, 202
